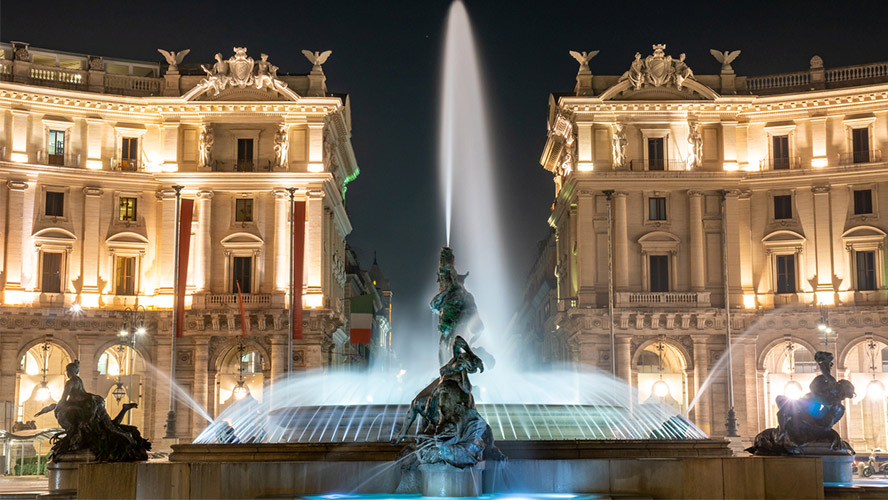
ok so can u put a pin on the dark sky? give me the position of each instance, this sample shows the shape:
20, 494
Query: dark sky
386, 55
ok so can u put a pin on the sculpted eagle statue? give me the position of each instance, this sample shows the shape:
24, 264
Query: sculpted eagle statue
174, 59
725, 58
317, 58
583, 58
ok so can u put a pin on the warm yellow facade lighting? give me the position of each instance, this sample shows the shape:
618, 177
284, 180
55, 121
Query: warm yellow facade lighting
94, 164
749, 301
585, 166
825, 298
313, 300
19, 157
316, 167
731, 166
819, 162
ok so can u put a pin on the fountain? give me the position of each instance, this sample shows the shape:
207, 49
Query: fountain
564, 429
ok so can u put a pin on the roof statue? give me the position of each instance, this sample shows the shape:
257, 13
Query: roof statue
174, 59
583, 58
726, 58
317, 58
658, 70
240, 71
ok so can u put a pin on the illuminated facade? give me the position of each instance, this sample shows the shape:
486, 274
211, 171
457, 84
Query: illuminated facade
646, 159
89, 151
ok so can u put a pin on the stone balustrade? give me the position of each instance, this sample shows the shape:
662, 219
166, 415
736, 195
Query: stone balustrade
230, 301
132, 85
662, 299
754, 83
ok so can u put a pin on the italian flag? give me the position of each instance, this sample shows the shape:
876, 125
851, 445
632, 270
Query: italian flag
361, 320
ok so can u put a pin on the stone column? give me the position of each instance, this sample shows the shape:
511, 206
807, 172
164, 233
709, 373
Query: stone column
89, 372
729, 146
278, 358
15, 232
94, 143
316, 147
585, 145
281, 241
92, 205
170, 146
623, 345
823, 244
314, 249
732, 221
200, 387
9, 347
745, 241
19, 132
204, 255
818, 142
586, 255
166, 247
621, 243
702, 409
698, 252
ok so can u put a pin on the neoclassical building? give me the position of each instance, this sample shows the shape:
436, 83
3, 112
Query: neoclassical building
775, 182
90, 149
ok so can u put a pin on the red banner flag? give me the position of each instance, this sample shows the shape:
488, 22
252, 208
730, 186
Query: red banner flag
298, 265
240, 299
186, 212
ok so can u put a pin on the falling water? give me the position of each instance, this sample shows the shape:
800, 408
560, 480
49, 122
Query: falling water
181, 394
466, 171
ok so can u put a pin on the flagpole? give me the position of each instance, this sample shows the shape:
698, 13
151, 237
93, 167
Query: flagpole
292, 192
171, 416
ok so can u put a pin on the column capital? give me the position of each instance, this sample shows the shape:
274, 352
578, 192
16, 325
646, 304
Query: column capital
620, 194
93, 191
165, 194
17, 185
695, 193
314, 194
205, 194
281, 194
820, 189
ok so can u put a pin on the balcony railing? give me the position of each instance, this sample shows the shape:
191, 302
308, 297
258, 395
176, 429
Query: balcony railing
63, 78
657, 164
132, 85
778, 81
781, 163
662, 299
230, 301
859, 72
865, 156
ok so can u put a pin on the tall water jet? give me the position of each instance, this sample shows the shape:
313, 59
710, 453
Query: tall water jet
466, 170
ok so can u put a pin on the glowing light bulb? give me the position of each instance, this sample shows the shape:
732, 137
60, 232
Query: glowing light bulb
875, 390
661, 389
43, 392
76, 308
123, 333
793, 390
141, 330
241, 391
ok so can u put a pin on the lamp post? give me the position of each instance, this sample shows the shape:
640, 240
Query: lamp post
824, 328
133, 327
43, 392
290, 330
731, 420
610, 282
171, 415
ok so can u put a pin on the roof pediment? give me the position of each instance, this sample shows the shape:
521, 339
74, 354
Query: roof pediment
241, 78
658, 77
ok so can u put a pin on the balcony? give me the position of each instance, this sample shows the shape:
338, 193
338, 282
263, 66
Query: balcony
865, 156
252, 301
662, 299
781, 164
657, 164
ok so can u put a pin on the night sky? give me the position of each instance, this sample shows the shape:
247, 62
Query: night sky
386, 55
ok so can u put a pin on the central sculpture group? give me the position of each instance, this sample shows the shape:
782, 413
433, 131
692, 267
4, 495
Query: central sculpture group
452, 432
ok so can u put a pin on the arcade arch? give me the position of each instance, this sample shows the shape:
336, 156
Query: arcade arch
40, 381
241, 374
121, 380
866, 366
662, 375
789, 368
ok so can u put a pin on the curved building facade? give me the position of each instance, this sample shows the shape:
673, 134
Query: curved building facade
90, 149
668, 183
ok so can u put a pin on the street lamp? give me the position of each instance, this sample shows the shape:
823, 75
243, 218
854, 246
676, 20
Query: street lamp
241, 390
133, 327
43, 392
875, 390
660, 388
792, 389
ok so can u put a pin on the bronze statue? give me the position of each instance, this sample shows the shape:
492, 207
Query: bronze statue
87, 425
455, 307
806, 425
453, 431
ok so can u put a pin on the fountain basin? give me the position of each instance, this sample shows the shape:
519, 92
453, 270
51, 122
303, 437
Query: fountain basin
444, 480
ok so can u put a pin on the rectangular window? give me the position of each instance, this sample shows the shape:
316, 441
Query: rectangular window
56, 147
656, 208
863, 201
55, 204
656, 154
129, 153
786, 274
51, 279
659, 269
780, 152
125, 283
860, 145
242, 273
127, 210
866, 270
243, 210
245, 155
783, 207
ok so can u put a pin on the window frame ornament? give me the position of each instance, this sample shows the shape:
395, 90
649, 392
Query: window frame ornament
53, 240
785, 242
772, 131
860, 122
865, 238
243, 244
127, 244
58, 125
659, 243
